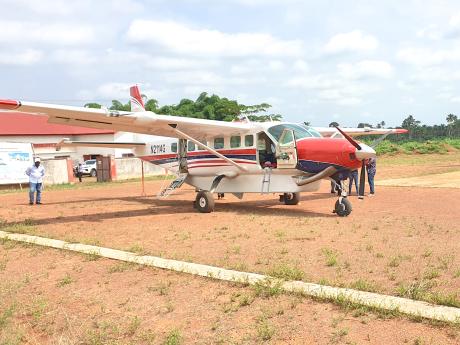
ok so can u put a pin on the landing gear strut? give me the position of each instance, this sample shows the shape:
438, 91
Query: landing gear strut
204, 202
342, 205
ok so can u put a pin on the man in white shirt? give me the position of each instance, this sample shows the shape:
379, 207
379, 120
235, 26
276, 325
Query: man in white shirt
35, 173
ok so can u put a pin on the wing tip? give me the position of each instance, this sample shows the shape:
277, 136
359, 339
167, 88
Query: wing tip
9, 104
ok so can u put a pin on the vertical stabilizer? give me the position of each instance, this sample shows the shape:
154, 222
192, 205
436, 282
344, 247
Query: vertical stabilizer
137, 104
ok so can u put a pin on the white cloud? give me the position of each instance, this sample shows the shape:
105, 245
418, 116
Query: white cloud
178, 38
365, 69
354, 41
27, 57
449, 30
18, 32
74, 57
301, 65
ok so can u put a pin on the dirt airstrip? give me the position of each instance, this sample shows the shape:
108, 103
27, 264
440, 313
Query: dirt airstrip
404, 241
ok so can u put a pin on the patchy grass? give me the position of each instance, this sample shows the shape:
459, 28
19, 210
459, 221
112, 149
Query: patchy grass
364, 285
173, 338
331, 257
267, 288
286, 272
65, 281
420, 290
265, 329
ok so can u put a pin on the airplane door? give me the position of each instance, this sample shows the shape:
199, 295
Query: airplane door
286, 150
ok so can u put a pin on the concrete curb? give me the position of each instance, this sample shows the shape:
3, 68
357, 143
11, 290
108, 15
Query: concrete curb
369, 299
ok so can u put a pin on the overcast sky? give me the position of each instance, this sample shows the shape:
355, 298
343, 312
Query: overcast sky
318, 61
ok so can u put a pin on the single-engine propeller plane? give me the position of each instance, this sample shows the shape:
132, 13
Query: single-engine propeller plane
226, 157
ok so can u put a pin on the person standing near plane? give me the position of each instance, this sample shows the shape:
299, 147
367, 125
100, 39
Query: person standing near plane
371, 167
353, 178
35, 173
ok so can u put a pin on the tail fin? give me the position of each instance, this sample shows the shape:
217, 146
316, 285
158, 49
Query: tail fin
137, 104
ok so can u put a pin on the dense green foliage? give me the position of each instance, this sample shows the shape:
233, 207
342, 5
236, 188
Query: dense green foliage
204, 107
417, 147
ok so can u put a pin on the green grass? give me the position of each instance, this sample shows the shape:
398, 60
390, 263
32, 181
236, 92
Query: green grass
65, 281
173, 338
439, 146
331, 257
286, 272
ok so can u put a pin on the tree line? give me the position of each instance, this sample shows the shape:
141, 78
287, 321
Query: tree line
204, 107
418, 131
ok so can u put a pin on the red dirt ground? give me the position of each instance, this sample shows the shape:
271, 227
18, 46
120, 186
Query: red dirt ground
402, 237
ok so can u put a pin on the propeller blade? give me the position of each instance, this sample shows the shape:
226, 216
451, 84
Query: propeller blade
362, 181
350, 139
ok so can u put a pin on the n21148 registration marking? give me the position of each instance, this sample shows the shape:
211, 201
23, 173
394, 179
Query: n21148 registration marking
158, 148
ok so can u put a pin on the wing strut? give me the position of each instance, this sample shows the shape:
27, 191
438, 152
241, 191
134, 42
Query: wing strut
207, 148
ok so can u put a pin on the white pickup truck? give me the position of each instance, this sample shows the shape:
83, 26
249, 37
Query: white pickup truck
88, 167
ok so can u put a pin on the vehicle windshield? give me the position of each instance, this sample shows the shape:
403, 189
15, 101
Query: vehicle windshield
90, 162
299, 131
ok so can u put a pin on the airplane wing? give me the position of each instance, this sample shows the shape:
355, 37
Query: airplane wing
137, 122
331, 131
120, 145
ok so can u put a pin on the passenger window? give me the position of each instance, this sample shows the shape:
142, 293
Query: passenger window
235, 141
190, 146
174, 147
218, 143
249, 140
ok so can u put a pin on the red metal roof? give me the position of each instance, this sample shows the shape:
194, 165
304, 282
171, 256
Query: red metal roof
17, 123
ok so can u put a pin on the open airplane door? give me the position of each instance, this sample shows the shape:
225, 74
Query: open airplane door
286, 150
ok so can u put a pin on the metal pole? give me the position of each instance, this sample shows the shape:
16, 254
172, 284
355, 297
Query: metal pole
143, 185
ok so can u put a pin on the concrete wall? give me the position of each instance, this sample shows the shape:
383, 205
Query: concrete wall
131, 168
56, 171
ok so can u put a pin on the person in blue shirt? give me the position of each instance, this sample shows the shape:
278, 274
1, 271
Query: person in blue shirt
35, 173
353, 178
371, 167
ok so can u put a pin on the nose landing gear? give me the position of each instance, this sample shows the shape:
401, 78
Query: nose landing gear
342, 205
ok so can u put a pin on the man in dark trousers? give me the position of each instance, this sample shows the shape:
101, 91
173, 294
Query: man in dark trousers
371, 167
79, 171
35, 173
353, 178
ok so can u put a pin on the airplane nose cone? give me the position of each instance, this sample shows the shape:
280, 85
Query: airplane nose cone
366, 152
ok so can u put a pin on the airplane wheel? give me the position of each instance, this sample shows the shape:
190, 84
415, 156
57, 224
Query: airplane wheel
343, 208
204, 202
291, 198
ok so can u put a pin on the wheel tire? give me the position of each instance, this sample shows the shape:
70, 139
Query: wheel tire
343, 208
291, 198
204, 202
93, 173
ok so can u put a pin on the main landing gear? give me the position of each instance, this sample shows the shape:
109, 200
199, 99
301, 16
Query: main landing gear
290, 198
204, 202
342, 205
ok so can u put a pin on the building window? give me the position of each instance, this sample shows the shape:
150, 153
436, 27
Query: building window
174, 147
218, 143
235, 141
249, 140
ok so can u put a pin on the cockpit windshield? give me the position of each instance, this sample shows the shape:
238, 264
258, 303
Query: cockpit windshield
313, 131
299, 131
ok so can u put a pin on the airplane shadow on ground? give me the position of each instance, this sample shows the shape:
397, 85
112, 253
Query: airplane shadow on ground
170, 207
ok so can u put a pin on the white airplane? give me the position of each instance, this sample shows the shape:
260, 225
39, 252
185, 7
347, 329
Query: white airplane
226, 157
